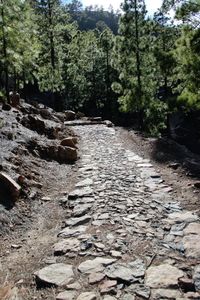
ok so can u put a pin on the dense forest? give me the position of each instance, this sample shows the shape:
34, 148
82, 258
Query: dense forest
103, 62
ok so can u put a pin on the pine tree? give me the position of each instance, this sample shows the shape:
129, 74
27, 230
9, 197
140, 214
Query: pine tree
55, 31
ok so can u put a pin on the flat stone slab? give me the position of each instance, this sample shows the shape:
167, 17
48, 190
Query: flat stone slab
80, 210
80, 192
96, 265
67, 295
69, 232
66, 245
78, 221
56, 274
163, 276
85, 182
108, 297
184, 216
191, 244
120, 272
96, 277
192, 228
158, 294
87, 296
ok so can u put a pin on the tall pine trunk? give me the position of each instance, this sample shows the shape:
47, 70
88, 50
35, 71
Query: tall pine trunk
5, 52
52, 50
138, 64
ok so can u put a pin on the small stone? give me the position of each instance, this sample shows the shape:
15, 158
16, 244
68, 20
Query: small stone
16, 246
46, 199
107, 286
96, 277
85, 182
99, 245
163, 276
74, 286
67, 295
116, 254
57, 274
87, 296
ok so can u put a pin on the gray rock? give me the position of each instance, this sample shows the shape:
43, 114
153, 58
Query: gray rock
184, 216
120, 272
128, 297
191, 244
78, 221
192, 228
69, 232
196, 278
85, 182
158, 294
108, 297
80, 210
67, 154
138, 268
67, 295
11, 185
140, 290
96, 265
82, 192
56, 274
65, 246
163, 276
107, 286
87, 296
96, 277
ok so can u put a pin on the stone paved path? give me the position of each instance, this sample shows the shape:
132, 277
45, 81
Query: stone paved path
124, 237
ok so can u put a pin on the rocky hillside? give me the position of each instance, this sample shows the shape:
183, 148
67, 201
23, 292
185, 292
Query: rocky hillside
34, 141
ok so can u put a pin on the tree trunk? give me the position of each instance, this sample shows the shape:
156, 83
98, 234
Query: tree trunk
5, 52
138, 64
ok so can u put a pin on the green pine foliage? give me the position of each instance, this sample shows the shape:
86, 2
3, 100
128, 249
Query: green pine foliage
149, 67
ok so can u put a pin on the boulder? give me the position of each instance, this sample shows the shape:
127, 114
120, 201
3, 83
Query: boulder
56, 274
69, 142
70, 115
10, 184
6, 107
67, 154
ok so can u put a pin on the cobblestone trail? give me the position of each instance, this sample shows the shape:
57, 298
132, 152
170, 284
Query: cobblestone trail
125, 236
